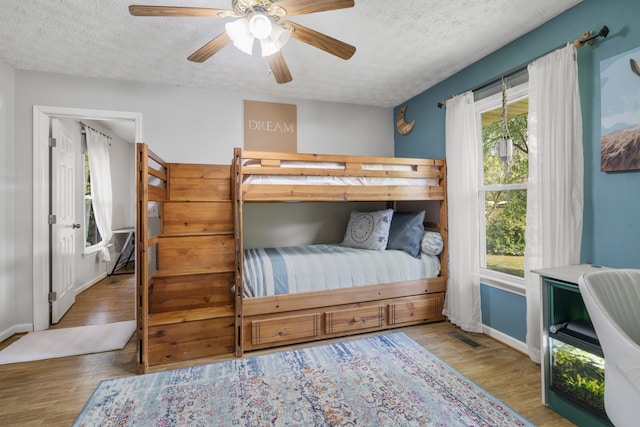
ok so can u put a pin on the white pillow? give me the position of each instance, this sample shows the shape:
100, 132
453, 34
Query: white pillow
368, 230
432, 243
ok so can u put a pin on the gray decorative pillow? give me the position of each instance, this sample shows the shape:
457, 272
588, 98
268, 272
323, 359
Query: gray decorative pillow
406, 232
368, 230
432, 243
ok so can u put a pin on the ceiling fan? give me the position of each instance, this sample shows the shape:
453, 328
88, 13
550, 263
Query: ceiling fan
262, 20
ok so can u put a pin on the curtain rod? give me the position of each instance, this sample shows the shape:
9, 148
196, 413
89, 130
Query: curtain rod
510, 73
95, 130
587, 39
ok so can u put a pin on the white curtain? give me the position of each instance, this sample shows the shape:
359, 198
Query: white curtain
462, 301
555, 190
102, 195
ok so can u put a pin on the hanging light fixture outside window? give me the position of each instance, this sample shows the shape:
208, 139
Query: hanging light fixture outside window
505, 145
244, 31
505, 150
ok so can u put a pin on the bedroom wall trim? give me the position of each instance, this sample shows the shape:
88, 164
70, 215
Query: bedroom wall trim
505, 339
504, 285
90, 283
15, 329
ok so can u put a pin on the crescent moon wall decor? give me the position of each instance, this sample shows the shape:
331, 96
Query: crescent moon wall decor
403, 127
635, 66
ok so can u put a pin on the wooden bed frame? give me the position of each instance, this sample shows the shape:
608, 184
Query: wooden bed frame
190, 253
264, 322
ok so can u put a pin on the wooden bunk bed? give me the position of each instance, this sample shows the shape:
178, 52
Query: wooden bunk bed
275, 320
189, 242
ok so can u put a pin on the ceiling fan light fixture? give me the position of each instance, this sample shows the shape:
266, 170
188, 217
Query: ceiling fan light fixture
260, 26
268, 48
278, 38
238, 32
261, 19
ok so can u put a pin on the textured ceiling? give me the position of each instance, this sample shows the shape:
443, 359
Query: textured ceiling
403, 46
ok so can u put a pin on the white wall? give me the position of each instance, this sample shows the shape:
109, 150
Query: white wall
123, 179
180, 124
290, 224
7, 202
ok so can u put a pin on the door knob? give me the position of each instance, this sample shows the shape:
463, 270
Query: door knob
76, 226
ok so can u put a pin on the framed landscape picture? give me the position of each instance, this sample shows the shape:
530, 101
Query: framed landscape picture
620, 112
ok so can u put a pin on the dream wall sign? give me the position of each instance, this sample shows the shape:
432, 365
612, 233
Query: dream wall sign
270, 126
620, 112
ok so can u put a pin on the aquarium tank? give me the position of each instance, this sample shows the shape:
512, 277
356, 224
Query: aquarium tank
578, 375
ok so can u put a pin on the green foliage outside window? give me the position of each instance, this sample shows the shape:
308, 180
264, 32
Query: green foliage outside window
92, 235
505, 210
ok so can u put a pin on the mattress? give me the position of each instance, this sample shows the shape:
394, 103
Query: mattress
278, 271
337, 180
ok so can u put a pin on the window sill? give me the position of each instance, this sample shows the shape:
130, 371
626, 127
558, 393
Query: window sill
503, 281
91, 250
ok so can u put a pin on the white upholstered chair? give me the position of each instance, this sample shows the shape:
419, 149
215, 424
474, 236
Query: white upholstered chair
612, 298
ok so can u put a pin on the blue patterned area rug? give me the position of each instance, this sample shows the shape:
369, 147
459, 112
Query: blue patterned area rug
387, 380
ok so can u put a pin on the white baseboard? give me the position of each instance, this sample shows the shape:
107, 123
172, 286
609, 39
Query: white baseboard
91, 283
505, 339
15, 329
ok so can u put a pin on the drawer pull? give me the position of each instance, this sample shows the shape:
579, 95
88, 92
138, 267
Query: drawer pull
356, 319
280, 333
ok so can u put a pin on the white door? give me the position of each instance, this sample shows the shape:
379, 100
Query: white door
63, 230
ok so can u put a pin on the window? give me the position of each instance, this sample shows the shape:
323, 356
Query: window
92, 235
503, 184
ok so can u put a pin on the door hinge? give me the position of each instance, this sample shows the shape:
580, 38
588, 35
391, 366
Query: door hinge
52, 219
53, 296
52, 142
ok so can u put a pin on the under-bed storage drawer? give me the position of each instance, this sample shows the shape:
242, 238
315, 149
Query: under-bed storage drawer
429, 308
285, 328
354, 319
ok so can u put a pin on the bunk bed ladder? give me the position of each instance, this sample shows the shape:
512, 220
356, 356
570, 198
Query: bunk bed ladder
443, 225
149, 164
237, 210
187, 252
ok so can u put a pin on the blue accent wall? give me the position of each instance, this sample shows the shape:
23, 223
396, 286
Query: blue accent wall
504, 311
611, 233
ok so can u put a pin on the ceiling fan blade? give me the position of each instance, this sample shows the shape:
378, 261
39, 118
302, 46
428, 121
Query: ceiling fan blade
279, 68
321, 41
211, 48
139, 10
303, 7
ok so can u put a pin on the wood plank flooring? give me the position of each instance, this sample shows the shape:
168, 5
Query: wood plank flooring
110, 300
52, 392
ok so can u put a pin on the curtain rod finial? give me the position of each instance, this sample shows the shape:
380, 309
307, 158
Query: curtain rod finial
588, 37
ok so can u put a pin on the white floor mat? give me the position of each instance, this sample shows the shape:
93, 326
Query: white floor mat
54, 343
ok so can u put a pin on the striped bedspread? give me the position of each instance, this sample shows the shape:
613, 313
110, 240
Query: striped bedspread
277, 271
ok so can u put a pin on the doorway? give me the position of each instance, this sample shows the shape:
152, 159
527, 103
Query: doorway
127, 124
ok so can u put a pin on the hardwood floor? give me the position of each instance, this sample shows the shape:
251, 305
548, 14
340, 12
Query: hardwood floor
110, 300
52, 392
